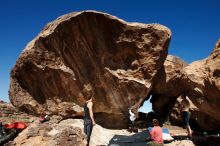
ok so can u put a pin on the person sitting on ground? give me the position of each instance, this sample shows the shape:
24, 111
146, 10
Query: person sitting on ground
156, 134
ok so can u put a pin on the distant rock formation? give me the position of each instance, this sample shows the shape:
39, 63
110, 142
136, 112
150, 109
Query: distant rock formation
9, 113
85, 52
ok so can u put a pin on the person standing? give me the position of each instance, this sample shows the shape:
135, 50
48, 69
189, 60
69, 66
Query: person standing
184, 109
89, 121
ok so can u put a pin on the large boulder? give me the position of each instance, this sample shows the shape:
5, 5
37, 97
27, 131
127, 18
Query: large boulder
203, 83
167, 85
84, 52
200, 81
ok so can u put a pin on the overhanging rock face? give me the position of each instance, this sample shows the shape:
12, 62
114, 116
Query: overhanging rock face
167, 85
85, 52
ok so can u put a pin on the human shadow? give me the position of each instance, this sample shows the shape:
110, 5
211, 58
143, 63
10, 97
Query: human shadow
139, 139
208, 140
201, 140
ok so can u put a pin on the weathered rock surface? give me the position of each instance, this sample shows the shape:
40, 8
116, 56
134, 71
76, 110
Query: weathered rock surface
204, 89
200, 80
51, 133
86, 52
57, 132
9, 113
167, 85
92, 52
199, 120
69, 132
205, 76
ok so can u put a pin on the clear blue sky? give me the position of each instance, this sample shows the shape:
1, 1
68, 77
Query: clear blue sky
195, 24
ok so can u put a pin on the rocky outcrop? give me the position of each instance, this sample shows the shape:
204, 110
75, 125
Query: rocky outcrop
69, 133
9, 113
203, 84
85, 52
121, 63
51, 133
167, 85
199, 120
199, 81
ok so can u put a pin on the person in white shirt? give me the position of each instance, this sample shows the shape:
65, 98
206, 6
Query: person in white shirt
132, 118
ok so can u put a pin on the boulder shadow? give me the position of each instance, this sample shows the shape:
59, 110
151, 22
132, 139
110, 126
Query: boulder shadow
139, 139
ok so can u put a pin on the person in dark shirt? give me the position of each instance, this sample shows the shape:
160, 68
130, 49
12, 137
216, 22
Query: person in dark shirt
89, 121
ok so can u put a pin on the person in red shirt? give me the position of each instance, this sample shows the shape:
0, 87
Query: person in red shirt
156, 134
